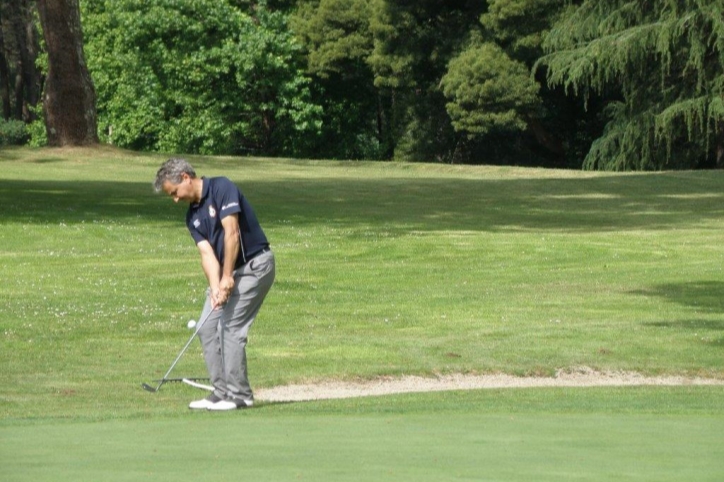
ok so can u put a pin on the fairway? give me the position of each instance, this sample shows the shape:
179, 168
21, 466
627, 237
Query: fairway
384, 270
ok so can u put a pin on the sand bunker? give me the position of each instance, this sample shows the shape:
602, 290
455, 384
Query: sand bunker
577, 377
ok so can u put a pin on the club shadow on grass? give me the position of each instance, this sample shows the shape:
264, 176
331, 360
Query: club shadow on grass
400, 205
268, 404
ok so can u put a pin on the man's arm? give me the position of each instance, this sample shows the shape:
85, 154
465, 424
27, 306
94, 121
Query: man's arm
212, 270
231, 252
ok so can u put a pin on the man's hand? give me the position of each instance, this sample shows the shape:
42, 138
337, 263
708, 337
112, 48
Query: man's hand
221, 278
231, 251
226, 285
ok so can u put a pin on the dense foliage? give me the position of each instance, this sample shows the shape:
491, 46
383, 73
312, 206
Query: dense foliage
338, 40
12, 133
197, 76
660, 65
447, 81
605, 84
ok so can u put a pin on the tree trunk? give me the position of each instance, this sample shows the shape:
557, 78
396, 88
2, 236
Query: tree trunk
20, 75
720, 148
69, 96
4, 80
547, 140
28, 54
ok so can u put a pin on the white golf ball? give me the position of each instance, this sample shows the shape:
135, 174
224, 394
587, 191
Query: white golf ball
191, 324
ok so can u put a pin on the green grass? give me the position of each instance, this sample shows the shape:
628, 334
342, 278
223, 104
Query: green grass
543, 435
383, 269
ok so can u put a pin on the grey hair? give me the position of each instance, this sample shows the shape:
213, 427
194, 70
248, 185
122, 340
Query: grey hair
172, 171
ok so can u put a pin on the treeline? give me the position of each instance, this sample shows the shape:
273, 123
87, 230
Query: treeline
596, 84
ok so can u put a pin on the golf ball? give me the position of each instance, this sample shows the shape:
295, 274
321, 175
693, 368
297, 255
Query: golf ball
191, 324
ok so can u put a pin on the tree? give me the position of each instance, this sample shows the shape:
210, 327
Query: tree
660, 66
413, 42
503, 108
198, 77
338, 41
69, 96
20, 80
488, 90
4, 76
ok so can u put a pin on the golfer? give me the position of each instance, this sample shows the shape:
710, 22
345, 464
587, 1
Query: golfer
239, 267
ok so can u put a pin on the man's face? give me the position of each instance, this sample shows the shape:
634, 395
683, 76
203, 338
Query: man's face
180, 192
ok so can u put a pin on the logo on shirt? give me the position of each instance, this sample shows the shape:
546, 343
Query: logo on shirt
197, 223
212, 211
227, 206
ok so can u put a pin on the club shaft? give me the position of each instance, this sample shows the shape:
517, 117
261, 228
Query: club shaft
188, 343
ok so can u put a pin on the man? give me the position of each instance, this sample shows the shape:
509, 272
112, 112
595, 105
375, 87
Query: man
239, 267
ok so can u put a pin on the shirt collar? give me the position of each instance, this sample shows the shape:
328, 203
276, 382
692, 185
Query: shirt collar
204, 191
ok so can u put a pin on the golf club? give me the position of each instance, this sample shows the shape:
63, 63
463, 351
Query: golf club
148, 387
182, 379
193, 383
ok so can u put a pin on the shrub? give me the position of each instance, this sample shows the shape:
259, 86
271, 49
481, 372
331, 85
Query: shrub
13, 133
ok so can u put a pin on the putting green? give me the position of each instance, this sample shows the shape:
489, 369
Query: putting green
272, 444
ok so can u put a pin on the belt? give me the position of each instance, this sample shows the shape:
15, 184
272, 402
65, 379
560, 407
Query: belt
261, 251
238, 270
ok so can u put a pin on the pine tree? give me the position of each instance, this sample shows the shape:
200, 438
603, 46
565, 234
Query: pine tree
488, 91
660, 65
337, 40
493, 98
413, 42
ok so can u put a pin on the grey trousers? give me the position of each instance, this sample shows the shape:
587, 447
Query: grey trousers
224, 335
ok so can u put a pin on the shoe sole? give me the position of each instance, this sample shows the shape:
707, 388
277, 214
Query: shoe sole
228, 409
205, 406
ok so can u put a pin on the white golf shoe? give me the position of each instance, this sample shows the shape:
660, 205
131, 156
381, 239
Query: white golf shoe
235, 404
204, 403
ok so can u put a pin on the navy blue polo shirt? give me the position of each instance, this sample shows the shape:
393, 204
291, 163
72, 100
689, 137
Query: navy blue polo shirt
220, 198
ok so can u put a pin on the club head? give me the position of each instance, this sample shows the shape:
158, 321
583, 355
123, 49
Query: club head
149, 388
